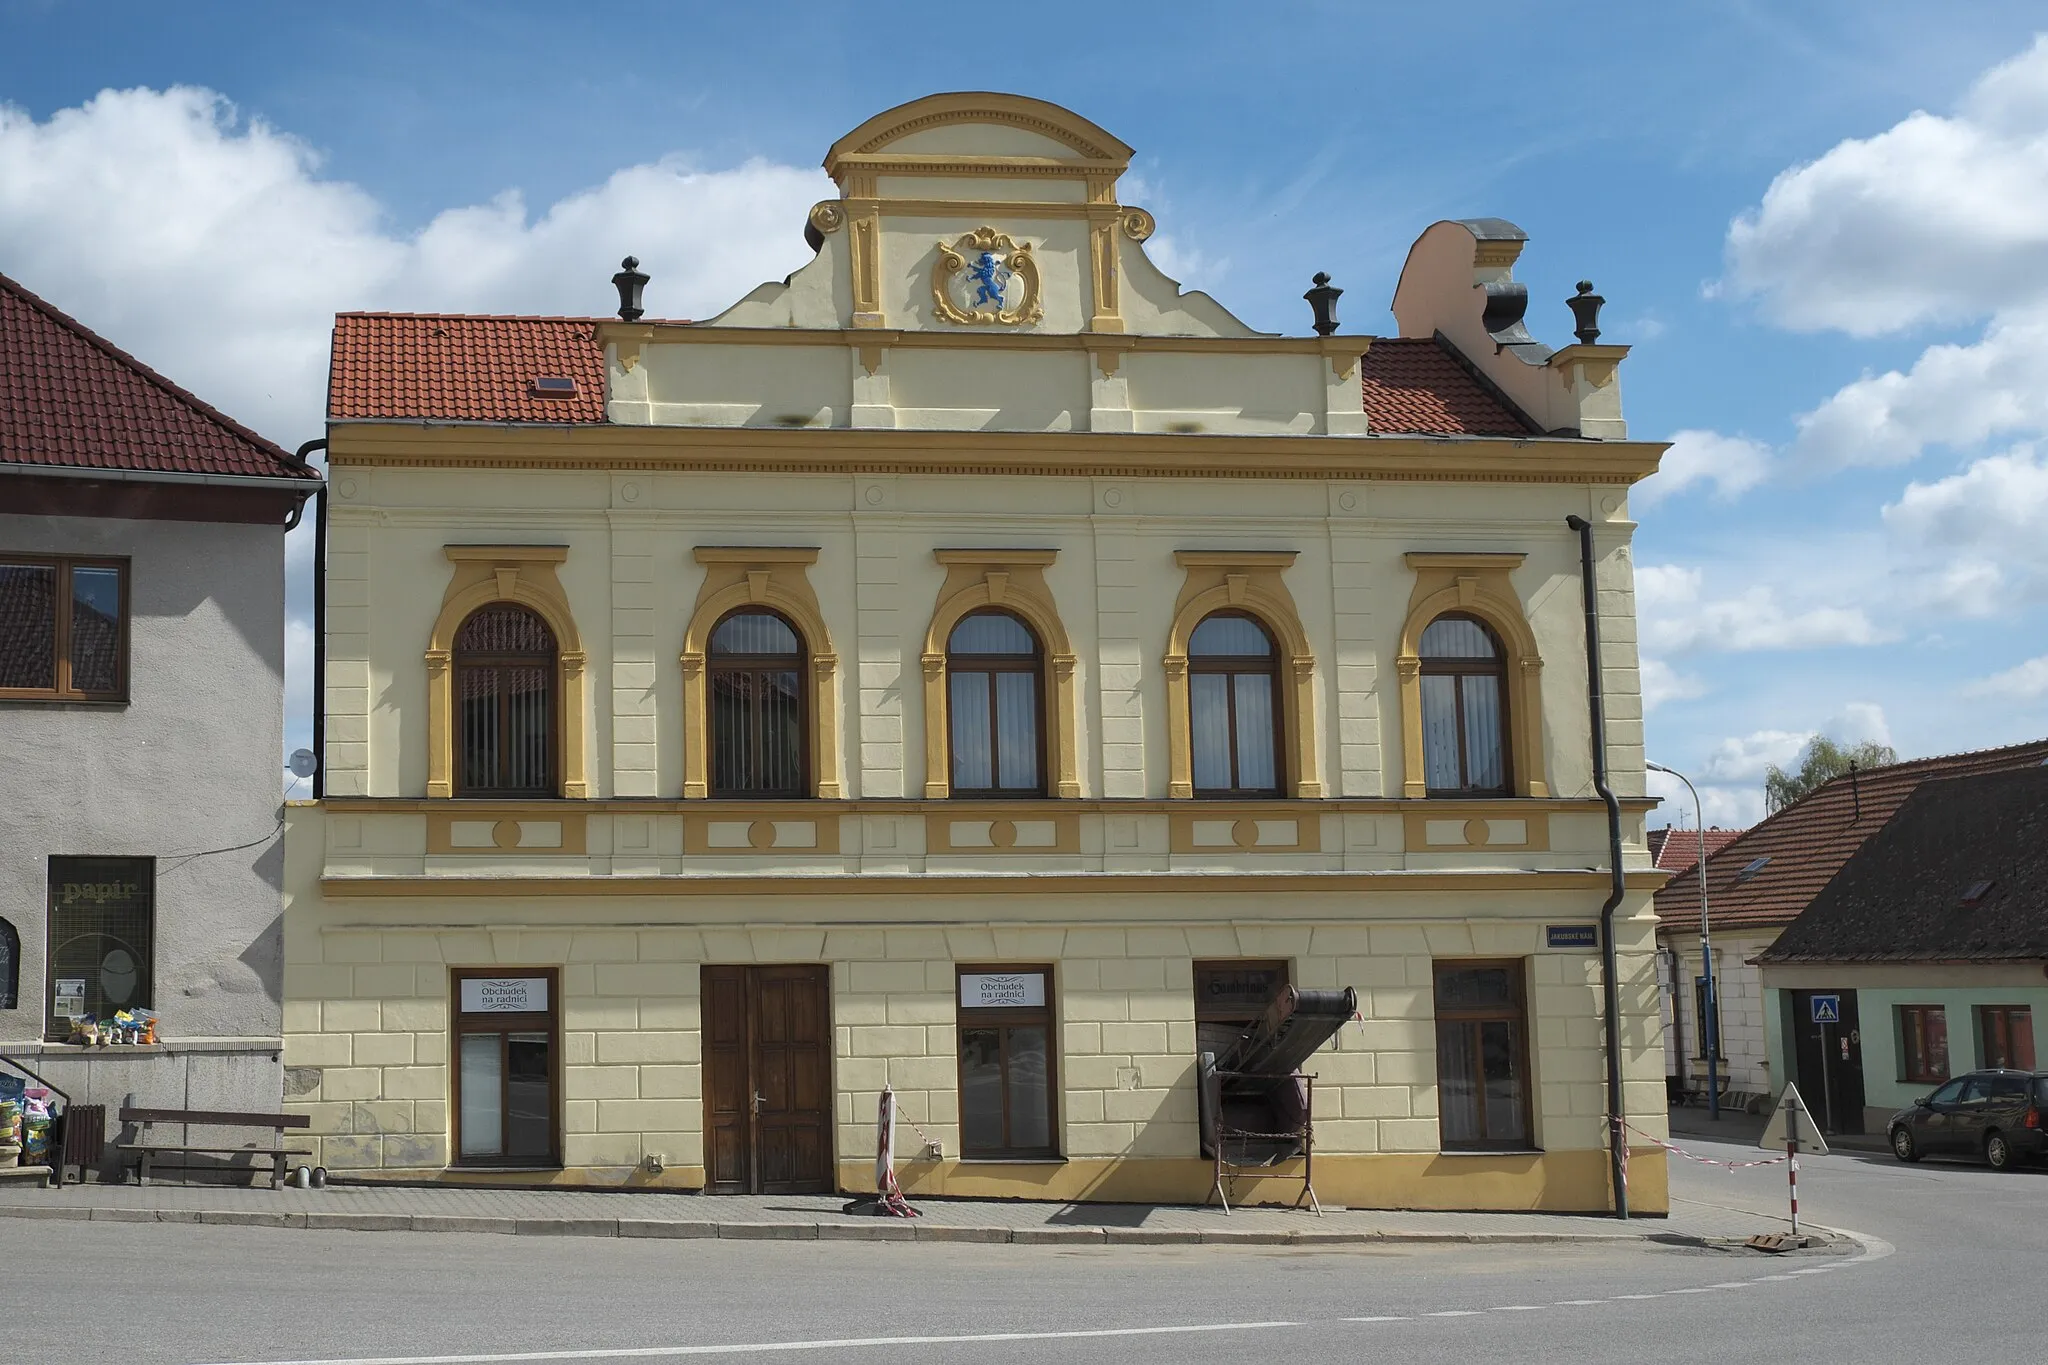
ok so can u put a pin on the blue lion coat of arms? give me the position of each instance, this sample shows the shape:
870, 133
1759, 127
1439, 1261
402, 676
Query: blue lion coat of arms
990, 277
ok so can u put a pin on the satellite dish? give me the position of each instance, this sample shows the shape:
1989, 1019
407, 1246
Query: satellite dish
304, 763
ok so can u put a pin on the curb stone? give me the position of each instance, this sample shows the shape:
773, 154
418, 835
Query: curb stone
880, 1230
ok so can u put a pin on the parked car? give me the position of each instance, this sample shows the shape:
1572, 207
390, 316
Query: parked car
1994, 1114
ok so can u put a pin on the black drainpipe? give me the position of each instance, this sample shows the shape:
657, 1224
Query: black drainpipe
319, 626
1596, 706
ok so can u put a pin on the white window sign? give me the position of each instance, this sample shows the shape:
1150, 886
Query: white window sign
1001, 990
504, 995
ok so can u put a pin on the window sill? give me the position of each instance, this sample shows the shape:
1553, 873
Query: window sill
83, 703
1490, 1151
487, 1168
1013, 1161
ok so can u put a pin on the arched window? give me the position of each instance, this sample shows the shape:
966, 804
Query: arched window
1464, 708
757, 713
994, 696
505, 667
1233, 718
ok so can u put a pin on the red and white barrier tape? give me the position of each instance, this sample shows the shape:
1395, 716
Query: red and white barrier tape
1676, 1150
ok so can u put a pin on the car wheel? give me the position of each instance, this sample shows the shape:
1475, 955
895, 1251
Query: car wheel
1903, 1146
1998, 1152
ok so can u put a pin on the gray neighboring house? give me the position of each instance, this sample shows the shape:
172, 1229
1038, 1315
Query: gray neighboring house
141, 722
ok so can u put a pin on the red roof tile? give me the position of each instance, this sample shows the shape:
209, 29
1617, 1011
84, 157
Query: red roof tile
1678, 850
1808, 842
1413, 386
463, 369
71, 399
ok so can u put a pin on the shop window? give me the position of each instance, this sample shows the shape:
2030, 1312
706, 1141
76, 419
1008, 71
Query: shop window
505, 665
994, 668
102, 937
507, 1066
63, 628
758, 707
1923, 1043
1233, 711
1008, 1075
1464, 708
1232, 997
10, 967
1709, 1020
2005, 1035
1482, 1056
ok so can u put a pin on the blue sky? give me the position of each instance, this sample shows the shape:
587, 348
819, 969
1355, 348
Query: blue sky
1826, 236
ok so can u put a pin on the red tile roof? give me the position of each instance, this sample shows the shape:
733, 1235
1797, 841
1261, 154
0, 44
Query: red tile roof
1413, 386
1678, 850
463, 369
71, 399
453, 368
1808, 842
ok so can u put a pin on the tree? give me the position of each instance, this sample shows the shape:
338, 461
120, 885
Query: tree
1823, 760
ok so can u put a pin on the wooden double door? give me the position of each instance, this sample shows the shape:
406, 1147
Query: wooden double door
767, 1080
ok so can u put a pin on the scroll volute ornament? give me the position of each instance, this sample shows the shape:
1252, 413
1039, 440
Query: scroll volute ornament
990, 261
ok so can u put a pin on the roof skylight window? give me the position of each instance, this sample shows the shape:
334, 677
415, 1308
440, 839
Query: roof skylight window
1754, 866
553, 386
1977, 892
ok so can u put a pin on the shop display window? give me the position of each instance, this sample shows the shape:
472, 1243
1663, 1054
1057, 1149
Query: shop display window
1009, 1086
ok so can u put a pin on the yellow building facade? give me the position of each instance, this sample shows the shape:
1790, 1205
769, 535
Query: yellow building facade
976, 667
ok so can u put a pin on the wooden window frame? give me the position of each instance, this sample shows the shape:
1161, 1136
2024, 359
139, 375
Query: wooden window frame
799, 663
1985, 1015
60, 689
55, 1030
1914, 1064
1516, 1014
1232, 665
550, 664
1460, 669
1046, 1017
1034, 664
548, 1021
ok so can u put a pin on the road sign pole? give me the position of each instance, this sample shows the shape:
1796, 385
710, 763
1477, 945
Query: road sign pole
1827, 1084
1792, 1155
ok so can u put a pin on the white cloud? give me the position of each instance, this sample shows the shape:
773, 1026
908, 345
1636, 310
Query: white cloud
1662, 683
1936, 220
1939, 220
1673, 618
1997, 505
1745, 758
1728, 807
1952, 396
2027, 682
210, 246
1858, 722
1732, 464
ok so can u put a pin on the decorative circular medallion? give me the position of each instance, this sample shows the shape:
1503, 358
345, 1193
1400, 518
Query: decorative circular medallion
629, 492
1348, 501
761, 834
505, 834
1003, 833
1475, 833
874, 495
1245, 833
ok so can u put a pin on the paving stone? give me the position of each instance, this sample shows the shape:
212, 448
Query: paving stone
252, 1218
769, 1232
568, 1227
1152, 1237
359, 1222
940, 1233
880, 1230
448, 1222
1042, 1236
665, 1227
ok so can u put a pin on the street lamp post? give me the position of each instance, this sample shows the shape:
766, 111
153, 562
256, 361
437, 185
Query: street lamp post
1710, 1010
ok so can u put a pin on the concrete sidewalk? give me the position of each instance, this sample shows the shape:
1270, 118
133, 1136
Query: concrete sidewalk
384, 1208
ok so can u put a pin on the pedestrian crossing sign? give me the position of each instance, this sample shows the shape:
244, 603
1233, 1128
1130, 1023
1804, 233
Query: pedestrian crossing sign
1827, 1009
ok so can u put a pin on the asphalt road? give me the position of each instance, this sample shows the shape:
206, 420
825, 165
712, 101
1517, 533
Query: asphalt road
1951, 1271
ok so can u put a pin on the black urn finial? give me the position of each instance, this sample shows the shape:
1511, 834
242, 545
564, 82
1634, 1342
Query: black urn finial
1585, 306
630, 282
1323, 300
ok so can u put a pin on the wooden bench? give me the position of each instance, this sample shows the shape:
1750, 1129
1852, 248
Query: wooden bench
148, 1152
